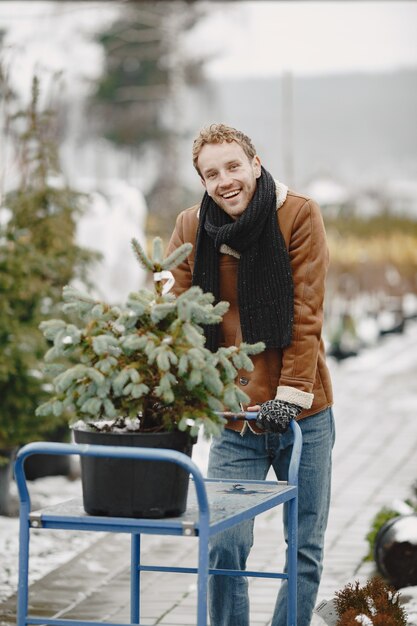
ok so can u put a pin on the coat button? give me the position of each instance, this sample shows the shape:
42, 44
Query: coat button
243, 380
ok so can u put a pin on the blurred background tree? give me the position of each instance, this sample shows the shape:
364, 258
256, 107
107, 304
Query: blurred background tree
138, 101
38, 256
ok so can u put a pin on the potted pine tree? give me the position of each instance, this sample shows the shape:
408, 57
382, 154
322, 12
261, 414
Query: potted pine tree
141, 375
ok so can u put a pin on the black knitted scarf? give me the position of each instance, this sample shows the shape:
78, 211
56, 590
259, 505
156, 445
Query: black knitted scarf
265, 286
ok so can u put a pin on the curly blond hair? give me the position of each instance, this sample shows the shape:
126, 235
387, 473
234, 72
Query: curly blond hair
217, 133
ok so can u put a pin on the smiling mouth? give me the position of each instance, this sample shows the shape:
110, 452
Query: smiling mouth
230, 194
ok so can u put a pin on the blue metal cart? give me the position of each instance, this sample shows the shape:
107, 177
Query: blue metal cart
213, 506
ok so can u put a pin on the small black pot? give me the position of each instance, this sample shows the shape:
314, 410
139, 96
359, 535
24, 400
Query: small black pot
134, 488
6, 475
396, 551
41, 465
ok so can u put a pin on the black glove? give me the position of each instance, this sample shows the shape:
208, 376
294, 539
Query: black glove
275, 415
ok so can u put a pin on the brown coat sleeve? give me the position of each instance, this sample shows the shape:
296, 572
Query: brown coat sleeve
183, 234
309, 262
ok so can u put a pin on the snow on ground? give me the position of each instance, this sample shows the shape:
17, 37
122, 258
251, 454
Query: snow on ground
48, 551
393, 356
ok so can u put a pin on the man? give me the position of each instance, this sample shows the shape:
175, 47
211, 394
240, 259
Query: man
263, 249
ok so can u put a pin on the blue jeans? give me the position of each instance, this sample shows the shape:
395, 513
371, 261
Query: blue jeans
249, 457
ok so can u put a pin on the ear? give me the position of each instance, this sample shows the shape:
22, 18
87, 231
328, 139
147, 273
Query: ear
256, 164
203, 182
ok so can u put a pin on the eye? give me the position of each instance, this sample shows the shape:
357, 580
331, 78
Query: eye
211, 175
234, 166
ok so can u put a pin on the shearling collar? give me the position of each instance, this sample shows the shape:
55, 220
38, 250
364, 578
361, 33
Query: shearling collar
282, 192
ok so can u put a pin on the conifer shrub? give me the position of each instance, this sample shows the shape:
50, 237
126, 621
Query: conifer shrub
374, 604
38, 255
144, 366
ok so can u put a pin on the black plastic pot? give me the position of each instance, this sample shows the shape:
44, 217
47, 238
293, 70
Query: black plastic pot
42, 465
396, 551
6, 475
133, 488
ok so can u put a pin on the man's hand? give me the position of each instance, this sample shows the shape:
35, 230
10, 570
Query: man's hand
275, 415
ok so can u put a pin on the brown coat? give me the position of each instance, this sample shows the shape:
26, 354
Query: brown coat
302, 364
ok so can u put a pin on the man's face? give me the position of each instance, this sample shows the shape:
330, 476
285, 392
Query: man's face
228, 175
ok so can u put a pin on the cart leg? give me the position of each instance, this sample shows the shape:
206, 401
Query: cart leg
202, 581
292, 562
135, 579
23, 590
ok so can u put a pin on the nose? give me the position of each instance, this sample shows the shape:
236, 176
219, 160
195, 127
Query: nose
224, 179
